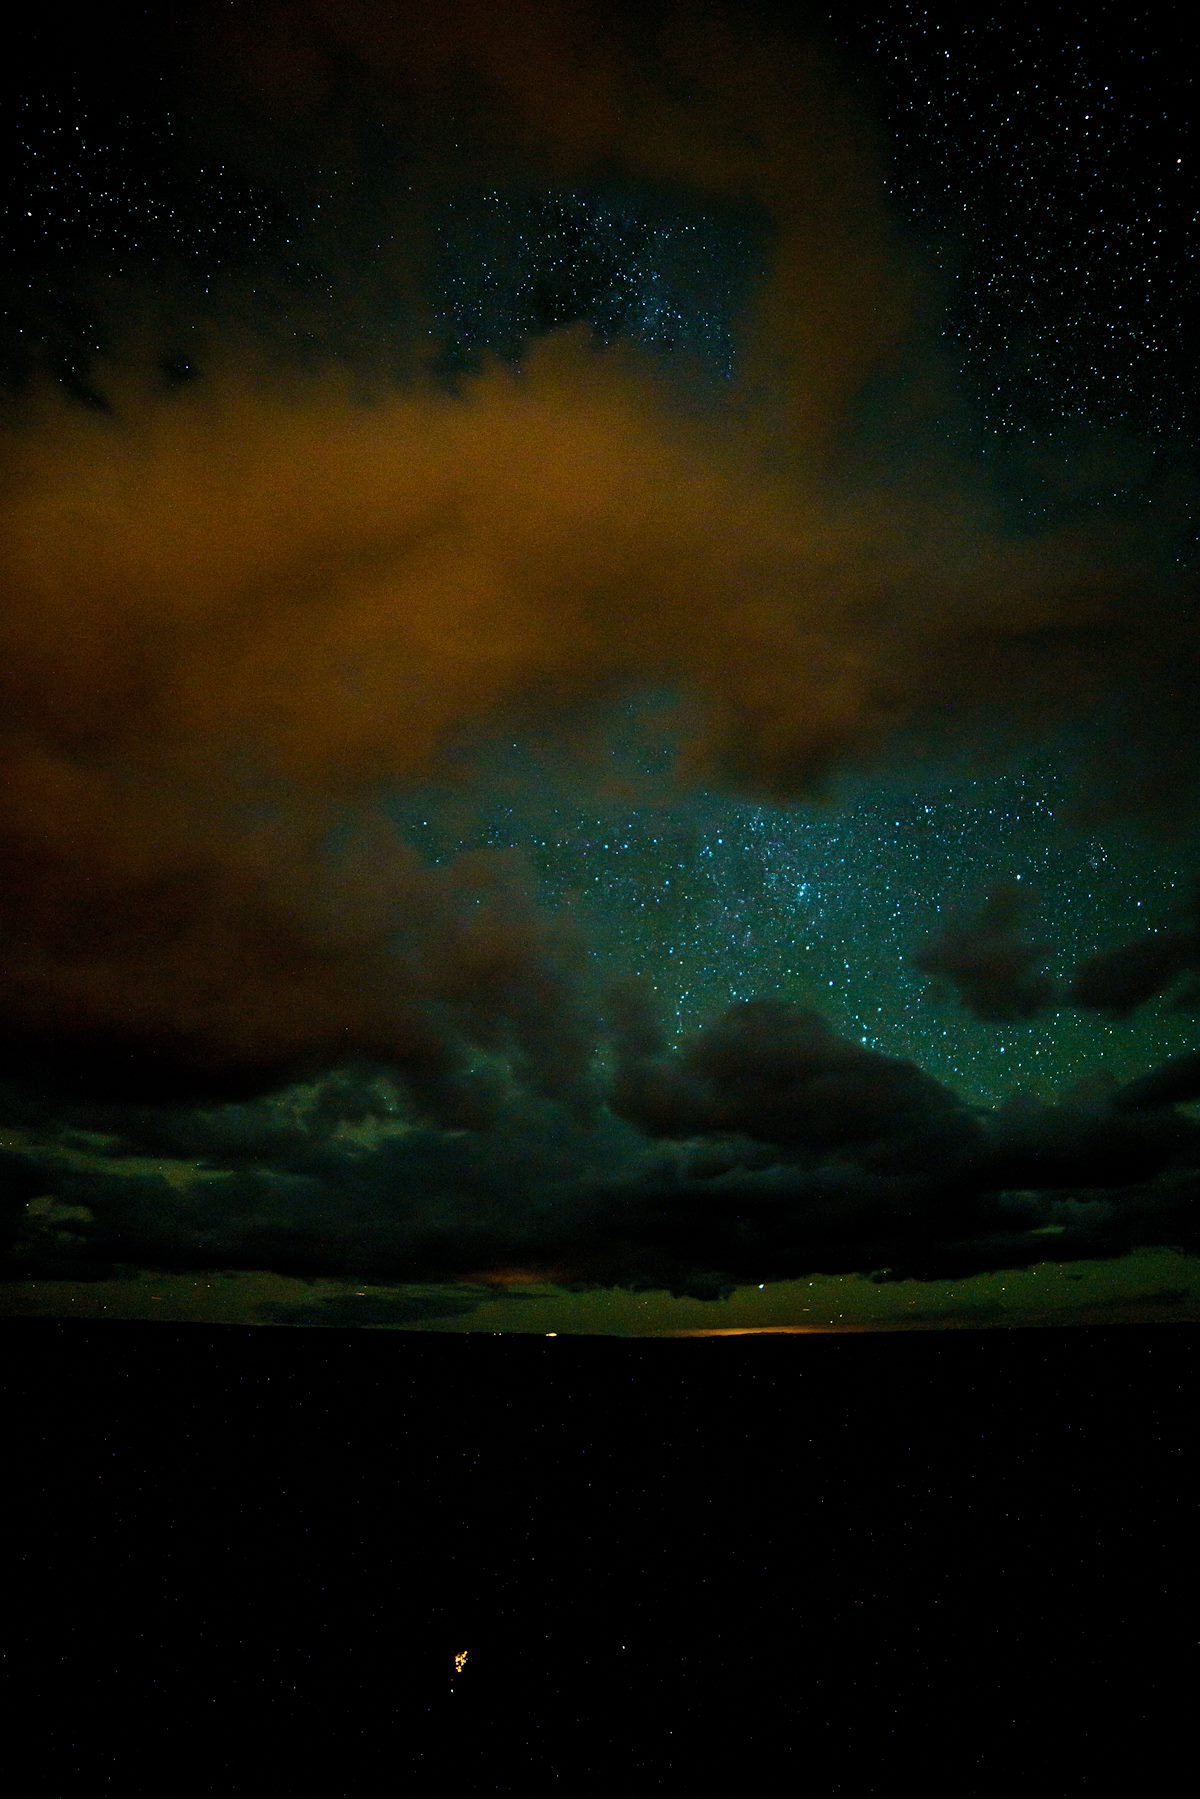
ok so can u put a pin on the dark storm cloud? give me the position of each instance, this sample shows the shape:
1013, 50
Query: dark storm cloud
282, 1129
764, 1148
876, 1166
1176, 1083
997, 972
987, 960
778, 1074
1120, 980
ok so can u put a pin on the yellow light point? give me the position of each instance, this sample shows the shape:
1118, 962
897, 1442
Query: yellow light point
460, 1661
552, 1333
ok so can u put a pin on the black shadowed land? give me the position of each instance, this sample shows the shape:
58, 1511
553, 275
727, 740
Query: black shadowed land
252, 1557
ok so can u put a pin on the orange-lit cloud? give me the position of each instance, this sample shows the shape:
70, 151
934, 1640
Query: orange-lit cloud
235, 615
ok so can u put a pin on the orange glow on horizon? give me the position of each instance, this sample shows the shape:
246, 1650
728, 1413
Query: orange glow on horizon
766, 1330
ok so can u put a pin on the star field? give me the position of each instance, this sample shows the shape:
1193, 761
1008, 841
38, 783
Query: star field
1048, 162
512, 268
716, 902
1048, 183
1031, 177
1046, 165
94, 197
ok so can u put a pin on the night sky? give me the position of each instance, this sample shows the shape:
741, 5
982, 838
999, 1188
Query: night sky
598, 665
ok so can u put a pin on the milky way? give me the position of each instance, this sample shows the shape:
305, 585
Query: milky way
724, 532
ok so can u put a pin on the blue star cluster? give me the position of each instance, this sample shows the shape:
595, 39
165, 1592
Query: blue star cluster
713, 901
512, 266
1046, 178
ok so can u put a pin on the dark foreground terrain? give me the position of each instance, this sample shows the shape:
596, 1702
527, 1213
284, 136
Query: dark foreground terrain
242, 1562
